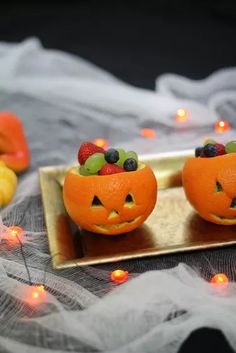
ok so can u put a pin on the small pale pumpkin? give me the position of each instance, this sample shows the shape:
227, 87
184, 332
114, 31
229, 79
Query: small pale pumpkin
8, 184
110, 204
210, 186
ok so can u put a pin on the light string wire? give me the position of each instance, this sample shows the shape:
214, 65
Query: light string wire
21, 244
24, 260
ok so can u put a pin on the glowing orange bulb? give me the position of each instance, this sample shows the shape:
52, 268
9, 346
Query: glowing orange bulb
119, 276
181, 116
15, 231
13, 234
35, 294
148, 133
220, 279
100, 142
222, 126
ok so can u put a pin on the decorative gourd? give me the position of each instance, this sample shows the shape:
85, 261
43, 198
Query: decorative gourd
210, 186
13, 145
8, 184
110, 204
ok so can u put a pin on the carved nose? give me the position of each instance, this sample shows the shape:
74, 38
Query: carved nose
113, 214
233, 203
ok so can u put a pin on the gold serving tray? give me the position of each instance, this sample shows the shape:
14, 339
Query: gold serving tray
172, 227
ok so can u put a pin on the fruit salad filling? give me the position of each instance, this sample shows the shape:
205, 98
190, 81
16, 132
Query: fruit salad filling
95, 160
213, 149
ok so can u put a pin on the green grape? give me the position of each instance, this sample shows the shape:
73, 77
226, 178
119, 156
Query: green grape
132, 154
122, 157
209, 141
84, 171
230, 147
95, 162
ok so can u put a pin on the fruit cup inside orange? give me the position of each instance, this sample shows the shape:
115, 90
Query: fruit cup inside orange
209, 183
113, 203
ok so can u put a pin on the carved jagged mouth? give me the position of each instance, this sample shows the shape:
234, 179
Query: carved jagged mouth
107, 227
222, 218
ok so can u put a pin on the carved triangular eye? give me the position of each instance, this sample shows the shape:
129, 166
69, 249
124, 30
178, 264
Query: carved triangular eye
218, 187
96, 202
233, 203
129, 199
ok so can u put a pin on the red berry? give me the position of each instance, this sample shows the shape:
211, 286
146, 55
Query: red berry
220, 149
110, 169
86, 150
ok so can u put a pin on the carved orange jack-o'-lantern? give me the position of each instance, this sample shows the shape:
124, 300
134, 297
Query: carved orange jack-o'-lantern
110, 204
210, 186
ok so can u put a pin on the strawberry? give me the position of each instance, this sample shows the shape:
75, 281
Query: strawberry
110, 169
202, 155
220, 149
86, 150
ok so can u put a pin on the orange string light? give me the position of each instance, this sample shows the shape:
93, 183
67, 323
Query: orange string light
148, 133
119, 276
101, 142
14, 233
182, 115
220, 279
15, 230
35, 294
222, 126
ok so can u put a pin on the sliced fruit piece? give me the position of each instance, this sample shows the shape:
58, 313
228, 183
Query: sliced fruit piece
112, 155
130, 165
94, 163
86, 150
108, 169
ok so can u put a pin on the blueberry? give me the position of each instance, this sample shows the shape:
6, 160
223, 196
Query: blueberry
112, 155
210, 150
198, 151
130, 165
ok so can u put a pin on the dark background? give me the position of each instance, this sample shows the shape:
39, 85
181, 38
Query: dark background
136, 41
